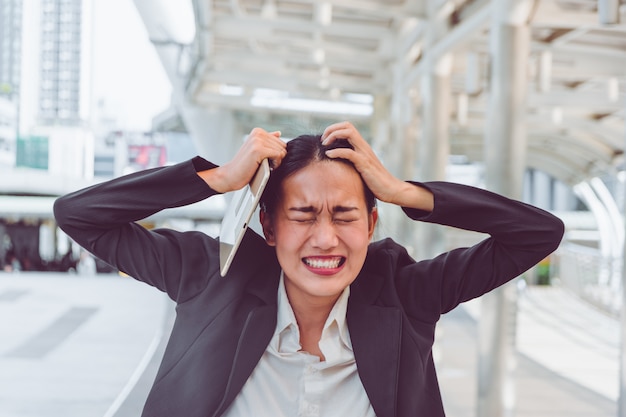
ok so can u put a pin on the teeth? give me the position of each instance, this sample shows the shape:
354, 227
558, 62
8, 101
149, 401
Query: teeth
323, 263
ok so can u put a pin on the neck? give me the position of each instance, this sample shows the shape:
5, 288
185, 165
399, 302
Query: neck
311, 315
311, 312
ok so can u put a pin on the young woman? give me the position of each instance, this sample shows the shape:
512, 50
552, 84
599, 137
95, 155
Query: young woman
313, 318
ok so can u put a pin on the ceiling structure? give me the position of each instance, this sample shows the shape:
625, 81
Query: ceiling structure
271, 57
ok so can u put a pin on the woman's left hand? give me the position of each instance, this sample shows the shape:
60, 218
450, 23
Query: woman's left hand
385, 186
382, 183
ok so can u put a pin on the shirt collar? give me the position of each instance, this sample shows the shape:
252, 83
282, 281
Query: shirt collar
287, 335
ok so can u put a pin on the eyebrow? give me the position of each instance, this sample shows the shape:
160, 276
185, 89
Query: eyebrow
311, 209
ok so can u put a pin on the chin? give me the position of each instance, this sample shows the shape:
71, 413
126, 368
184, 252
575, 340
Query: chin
328, 285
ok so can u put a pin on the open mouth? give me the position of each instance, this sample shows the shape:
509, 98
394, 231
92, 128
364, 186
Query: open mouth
324, 262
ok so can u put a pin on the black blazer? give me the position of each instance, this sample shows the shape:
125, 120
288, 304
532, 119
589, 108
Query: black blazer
223, 325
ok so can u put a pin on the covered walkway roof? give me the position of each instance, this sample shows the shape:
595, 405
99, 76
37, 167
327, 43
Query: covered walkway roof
268, 56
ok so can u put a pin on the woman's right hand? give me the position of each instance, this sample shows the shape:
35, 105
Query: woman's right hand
259, 145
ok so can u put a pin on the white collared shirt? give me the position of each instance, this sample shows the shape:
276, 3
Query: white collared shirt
288, 382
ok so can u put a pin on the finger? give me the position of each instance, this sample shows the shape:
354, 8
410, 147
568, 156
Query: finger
259, 134
265, 144
345, 130
274, 163
330, 135
334, 127
276, 156
343, 153
336, 134
350, 134
276, 151
275, 141
278, 159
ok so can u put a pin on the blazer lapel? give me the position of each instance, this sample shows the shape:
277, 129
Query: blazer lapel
255, 337
262, 284
375, 332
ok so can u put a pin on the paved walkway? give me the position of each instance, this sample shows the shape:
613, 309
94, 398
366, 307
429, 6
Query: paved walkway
90, 346
74, 346
567, 360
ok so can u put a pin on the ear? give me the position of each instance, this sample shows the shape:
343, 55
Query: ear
268, 227
371, 226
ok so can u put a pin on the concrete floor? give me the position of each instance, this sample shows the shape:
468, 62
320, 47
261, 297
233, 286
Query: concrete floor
89, 346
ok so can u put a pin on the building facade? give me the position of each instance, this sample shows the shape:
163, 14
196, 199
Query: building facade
60, 70
10, 47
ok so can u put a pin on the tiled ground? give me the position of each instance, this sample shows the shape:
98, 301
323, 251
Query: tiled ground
90, 346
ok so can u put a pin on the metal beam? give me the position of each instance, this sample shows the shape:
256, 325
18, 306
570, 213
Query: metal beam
596, 102
550, 14
571, 156
391, 11
245, 27
460, 35
284, 80
572, 65
587, 51
367, 63
246, 103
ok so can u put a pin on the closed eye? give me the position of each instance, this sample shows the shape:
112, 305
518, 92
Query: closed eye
307, 220
344, 220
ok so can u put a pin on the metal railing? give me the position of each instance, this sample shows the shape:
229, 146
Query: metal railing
590, 275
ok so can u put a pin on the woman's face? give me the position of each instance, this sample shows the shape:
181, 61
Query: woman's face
321, 229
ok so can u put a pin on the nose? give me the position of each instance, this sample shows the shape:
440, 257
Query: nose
324, 236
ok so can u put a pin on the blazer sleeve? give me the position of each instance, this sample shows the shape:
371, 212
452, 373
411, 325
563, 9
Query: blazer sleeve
102, 219
520, 236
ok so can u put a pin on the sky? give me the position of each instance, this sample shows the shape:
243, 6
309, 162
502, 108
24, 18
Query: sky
127, 74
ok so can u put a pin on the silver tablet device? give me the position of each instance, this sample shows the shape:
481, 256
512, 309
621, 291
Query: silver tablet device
238, 214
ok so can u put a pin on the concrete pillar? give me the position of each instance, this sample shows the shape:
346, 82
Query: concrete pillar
388, 133
434, 143
505, 139
505, 160
544, 77
542, 190
215, 133
621, 401
47, 240
564, 199
407, 154
380, 123
401, 115
397, 149
608, 12
435, 88
434, 146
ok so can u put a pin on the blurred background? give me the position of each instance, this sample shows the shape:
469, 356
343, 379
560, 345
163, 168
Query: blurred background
523, 97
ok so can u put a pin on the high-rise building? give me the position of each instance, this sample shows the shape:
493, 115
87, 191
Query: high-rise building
60, 63
56, 48
55, 84
10, 47
10, 75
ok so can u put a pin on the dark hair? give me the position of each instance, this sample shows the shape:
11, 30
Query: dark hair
302, 152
